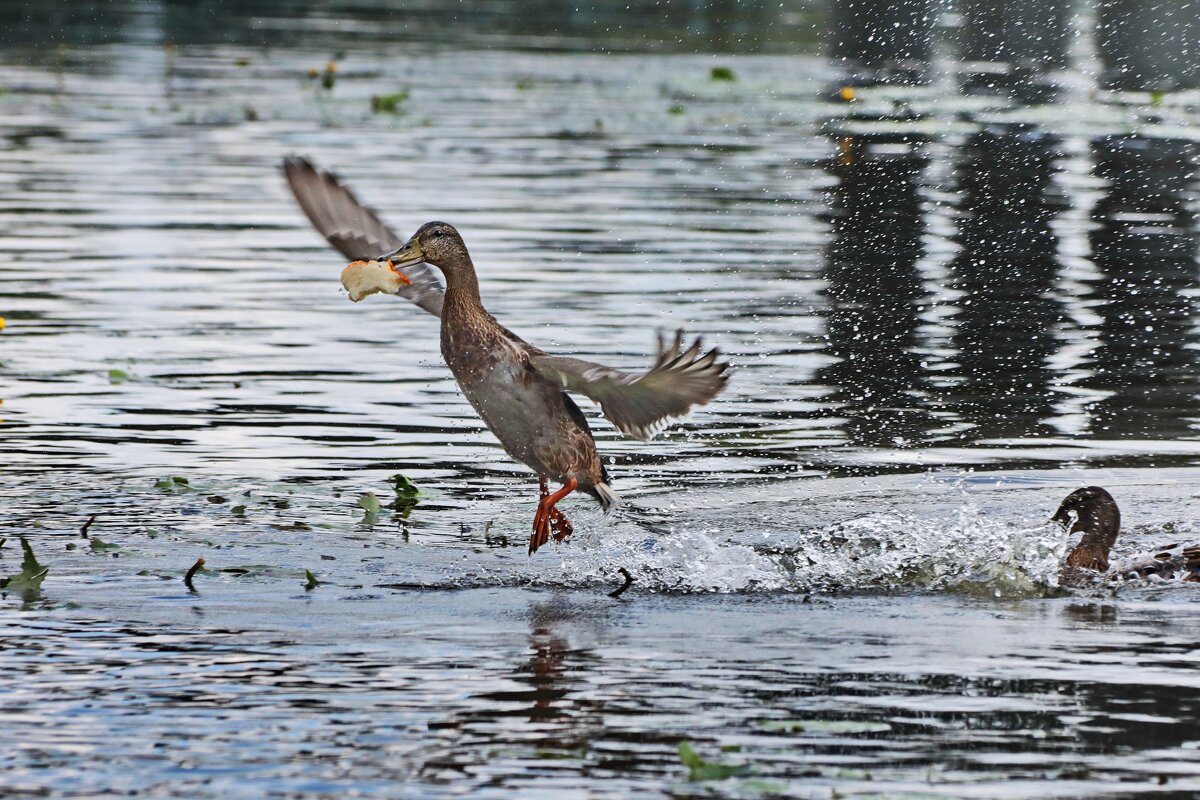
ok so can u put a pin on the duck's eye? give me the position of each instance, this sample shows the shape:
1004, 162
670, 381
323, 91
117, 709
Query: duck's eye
438, 233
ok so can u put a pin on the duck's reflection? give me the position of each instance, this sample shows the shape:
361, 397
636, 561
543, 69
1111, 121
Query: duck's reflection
874, 290
542, 713
1005, 270
1144, 247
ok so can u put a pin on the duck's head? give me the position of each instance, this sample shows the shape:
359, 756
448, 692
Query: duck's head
1097, 515
436, 243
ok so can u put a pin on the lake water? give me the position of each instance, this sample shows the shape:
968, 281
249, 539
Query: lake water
944, 312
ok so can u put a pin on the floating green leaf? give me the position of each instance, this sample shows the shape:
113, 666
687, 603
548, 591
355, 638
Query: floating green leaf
172, 483
722, 74
388, 103
369, 502
675, 110
27, 582
238, 511
404, 487
101, 546
701, 770
406, 495
117, 376
311, 581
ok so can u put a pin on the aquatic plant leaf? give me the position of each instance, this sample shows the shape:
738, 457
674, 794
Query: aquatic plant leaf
388, 103
369, 502
403, 486
116, 376
310, 581
722, 74
101, 546
172, 483
701, 770
238, 511
28, 581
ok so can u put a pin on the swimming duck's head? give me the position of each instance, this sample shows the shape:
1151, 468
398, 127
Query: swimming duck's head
1097, 515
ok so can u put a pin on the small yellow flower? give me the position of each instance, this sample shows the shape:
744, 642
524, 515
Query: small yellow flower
847, 93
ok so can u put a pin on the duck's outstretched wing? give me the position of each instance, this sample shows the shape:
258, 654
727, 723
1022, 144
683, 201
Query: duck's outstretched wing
642, 405
353, 229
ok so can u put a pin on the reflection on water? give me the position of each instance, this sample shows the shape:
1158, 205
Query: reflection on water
909, 280
876, 295
1005, 270
1144, 247
562, 694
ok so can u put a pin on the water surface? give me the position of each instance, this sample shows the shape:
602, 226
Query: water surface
945, 313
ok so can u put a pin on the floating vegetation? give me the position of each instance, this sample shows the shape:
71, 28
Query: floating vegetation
369, 503
327, 76
310, 581
524, 85
241, 62
676, 110
722, 74
388, 103
101, 546
407, 495
620, 590
27, 582
173, 483
701, 770
191, 573
238, 511
116, 376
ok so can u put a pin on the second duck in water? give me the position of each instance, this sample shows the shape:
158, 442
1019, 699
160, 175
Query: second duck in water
1098, 518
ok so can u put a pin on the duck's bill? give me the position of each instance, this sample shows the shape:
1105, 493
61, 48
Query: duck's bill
407, 256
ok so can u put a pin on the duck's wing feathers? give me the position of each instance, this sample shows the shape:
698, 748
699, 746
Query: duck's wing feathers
353, 229
642, 405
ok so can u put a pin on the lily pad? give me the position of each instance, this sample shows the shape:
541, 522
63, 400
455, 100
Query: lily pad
101, 546
388, 103
701, 770
116, 376
173, 483
369, 502
722, 74
27, 582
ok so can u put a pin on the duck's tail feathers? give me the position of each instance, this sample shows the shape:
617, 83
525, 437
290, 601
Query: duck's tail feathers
606, 495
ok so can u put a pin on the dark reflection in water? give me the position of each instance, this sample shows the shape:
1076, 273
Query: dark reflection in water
875, 292
1005, 270
720, 25
552, 696
1144, 247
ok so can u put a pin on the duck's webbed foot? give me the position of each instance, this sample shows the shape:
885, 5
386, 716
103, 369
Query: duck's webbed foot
548, 517
560, 526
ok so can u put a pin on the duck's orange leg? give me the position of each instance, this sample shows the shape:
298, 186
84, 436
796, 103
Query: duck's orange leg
548, 516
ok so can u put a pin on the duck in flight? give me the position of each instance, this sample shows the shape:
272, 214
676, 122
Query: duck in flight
519, 390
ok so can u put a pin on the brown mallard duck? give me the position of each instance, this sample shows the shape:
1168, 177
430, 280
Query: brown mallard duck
1099, 519
519, 390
